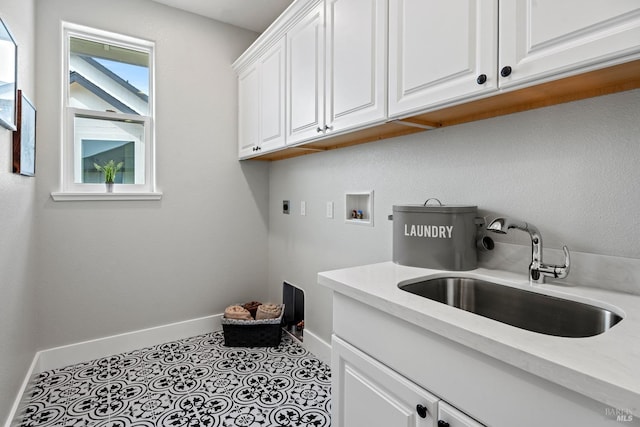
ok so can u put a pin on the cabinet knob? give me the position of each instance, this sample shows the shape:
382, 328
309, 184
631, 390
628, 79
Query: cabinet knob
421, 410
319, 129
482, 79
326, 128
506, 71
443, 423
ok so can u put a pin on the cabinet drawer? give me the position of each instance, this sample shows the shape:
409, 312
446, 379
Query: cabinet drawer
367, 393
448, 416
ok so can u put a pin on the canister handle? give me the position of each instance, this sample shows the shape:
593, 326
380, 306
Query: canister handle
432, 198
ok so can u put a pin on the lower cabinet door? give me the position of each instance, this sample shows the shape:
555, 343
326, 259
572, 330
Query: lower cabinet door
448, 416
367, 393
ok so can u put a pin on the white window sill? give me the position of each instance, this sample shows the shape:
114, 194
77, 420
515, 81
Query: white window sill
79, 197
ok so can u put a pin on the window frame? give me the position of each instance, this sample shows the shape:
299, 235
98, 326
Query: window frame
70, 190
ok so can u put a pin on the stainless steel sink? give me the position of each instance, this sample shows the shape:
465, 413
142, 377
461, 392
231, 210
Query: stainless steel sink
524, 309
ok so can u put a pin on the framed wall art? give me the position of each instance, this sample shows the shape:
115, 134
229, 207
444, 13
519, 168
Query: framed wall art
8, 78
24, 137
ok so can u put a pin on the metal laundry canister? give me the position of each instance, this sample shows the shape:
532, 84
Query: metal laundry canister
435, 236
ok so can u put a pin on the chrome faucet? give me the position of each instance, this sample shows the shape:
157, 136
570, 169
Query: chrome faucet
537, 269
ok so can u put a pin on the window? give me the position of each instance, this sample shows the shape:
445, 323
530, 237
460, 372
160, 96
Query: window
108, 111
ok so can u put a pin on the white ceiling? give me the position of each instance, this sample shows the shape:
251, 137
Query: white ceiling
254, 15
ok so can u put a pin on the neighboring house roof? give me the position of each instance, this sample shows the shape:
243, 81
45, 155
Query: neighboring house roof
76, 77
93, 76
122, 82
98, 146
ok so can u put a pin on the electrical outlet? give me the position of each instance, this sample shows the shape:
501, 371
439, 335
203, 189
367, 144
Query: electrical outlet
303, 208
285, 207
329, 209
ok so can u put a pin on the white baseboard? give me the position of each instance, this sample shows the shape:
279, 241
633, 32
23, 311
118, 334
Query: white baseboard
316, 345
20, 402
59, 357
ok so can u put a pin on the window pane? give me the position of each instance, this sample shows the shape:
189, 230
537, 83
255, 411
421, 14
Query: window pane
7, 77
98, 151
102, 140
105, 77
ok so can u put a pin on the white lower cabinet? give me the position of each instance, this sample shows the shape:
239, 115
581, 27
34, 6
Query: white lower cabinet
383, 367
448, 416
367, 393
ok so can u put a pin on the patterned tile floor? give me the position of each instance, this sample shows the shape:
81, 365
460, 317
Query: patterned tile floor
192, 382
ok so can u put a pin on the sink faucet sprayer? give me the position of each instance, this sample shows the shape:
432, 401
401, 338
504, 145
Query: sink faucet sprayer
537, 269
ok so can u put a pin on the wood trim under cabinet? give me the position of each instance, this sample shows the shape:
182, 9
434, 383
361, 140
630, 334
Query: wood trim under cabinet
618, 78
614, 79
375, 133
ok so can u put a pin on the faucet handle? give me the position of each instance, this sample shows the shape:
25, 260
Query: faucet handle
563, 271
556, 271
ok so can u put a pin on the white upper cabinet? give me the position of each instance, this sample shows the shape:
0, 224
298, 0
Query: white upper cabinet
336, 69
261, 88
548, 38
249, 111
345, 67
440, 51
356, 70
305, 77
272, 97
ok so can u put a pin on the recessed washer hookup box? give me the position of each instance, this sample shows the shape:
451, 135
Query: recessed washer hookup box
441, 237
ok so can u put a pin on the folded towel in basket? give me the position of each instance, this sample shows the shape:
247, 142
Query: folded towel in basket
252, 307
237, 312
268, 311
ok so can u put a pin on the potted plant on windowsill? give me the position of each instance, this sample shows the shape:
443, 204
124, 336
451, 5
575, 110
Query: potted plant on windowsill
109, 169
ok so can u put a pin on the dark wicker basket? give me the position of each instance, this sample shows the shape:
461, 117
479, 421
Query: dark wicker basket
253, 333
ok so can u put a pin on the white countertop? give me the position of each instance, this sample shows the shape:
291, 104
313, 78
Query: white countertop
605, 367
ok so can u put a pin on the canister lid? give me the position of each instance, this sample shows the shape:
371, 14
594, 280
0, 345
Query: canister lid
435, 208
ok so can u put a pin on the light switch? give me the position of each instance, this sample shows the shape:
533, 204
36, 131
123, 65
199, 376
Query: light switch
329, 209
303, 208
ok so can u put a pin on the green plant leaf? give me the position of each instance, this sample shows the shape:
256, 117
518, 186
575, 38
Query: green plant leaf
109, 169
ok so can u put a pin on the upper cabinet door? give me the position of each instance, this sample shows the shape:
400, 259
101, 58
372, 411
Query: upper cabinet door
249, 111
440, 52
305, 77
272, 91
261, 124
356, 62
546, 38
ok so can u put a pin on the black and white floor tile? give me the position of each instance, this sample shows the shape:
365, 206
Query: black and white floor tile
192, 382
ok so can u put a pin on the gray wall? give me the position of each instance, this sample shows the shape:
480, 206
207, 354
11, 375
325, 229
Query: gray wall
17, 279
112, 267
73, 271
570, 169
